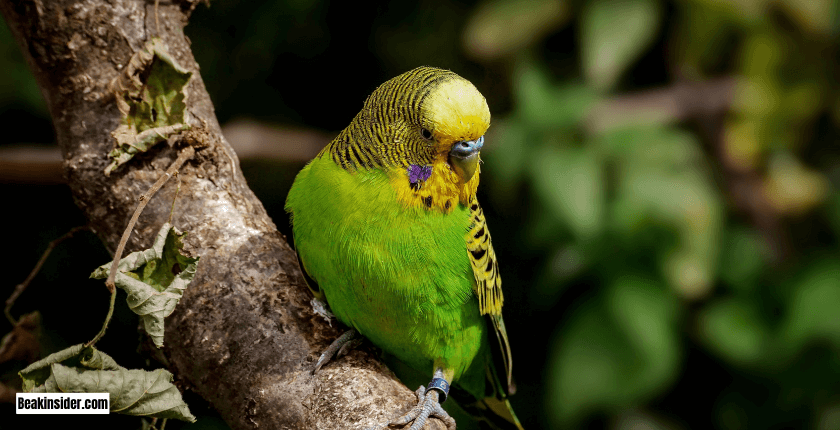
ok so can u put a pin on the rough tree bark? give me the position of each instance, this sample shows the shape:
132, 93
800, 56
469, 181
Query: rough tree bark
244, 336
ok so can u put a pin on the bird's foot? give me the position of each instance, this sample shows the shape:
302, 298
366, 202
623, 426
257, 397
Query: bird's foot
339, 347
427, 406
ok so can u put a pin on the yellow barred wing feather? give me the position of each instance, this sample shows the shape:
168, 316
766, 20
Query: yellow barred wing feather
488, 283
488, 287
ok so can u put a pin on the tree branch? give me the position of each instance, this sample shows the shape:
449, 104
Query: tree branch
244, 336
252, 140
30, 164
674, 103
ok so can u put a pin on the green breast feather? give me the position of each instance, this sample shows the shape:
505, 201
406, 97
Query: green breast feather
401, 277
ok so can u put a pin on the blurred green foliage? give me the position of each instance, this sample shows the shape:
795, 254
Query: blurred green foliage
677, 240
662, 270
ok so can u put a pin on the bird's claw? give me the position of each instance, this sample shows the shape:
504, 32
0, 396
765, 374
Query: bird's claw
339, 347
348, 346
427, 406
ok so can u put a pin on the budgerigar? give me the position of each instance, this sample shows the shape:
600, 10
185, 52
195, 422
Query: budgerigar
389, 232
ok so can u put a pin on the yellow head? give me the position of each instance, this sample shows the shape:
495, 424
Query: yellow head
426, 127
455, 111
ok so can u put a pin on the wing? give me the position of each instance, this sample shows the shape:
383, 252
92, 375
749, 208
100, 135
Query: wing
488, 285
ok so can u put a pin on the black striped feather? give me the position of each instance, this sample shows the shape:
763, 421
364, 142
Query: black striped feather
386, 132
484, 264
488, 286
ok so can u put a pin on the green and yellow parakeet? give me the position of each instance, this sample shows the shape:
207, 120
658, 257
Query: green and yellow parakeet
389, 231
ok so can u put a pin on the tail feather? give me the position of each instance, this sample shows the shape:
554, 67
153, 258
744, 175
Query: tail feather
491, 413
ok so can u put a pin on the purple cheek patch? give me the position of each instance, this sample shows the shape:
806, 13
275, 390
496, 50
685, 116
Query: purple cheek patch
418, 174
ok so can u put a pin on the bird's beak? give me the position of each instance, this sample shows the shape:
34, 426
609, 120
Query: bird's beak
464, 157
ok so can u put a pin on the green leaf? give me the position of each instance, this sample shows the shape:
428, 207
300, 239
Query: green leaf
499, 28
154, 279
133, 392
586, 366
743, 257
645, 313
76, 356
813, 306
545, 106
662, 181
571, 183
614, 33
36, 373
81, 369
150, 97
618, 348
734, 329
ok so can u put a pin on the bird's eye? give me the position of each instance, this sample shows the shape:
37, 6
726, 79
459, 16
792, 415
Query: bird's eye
426, 134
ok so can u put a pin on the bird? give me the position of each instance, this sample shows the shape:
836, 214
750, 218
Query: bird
389, 233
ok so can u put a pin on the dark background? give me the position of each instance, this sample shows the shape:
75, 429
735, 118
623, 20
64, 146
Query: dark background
669, 261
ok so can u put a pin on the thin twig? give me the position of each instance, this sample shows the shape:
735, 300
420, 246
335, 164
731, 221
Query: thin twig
22, 286
175, 199
107, 320
185, 155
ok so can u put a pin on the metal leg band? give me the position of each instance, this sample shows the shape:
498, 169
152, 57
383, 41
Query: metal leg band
441, 385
